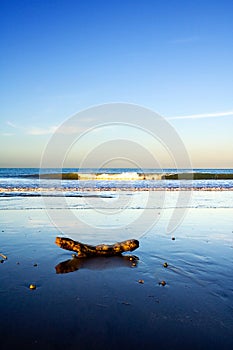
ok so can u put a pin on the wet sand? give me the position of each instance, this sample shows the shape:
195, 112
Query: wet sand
100, 303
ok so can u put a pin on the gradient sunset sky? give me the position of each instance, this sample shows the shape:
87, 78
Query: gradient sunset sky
60, 57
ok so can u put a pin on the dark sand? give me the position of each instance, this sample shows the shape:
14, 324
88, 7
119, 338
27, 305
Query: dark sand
101, 304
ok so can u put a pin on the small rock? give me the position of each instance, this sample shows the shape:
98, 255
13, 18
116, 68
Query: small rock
162, 283
125, 303
32, 286
141, 281
3, 256
173, 238
35, 265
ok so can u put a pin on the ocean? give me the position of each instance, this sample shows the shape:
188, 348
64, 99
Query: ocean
33, 182
114, 189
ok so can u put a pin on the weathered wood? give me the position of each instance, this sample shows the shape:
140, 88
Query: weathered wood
86, 250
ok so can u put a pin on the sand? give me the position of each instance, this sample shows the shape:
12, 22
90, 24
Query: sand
113, 303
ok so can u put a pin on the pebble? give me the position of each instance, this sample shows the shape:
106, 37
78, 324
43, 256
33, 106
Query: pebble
3, 256
162, 283
32, 286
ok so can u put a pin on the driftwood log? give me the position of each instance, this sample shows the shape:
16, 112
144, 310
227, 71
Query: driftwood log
86, 250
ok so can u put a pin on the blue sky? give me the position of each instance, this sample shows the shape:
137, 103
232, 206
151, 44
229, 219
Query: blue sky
60, 57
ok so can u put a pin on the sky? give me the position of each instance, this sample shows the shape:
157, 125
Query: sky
61, 57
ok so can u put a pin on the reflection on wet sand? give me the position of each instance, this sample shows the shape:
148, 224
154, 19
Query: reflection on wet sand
97, 263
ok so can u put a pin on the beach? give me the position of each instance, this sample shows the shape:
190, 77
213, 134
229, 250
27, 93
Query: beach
116, 175
118, 301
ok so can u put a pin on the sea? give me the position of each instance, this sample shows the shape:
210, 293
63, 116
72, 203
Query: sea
113, 188
27, 182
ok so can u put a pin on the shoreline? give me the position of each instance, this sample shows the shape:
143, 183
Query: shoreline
76, 190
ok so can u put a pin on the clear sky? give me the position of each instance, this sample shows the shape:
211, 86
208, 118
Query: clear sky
60, 57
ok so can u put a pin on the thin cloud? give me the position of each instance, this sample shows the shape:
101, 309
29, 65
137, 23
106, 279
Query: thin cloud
38, 131
70, 129
41, 131
203, 115
190, 39
12, 125
32, 130
7, 134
